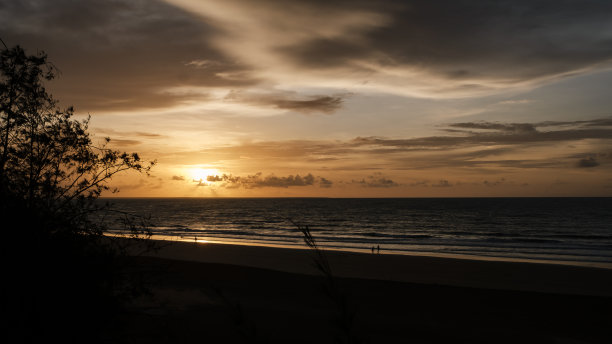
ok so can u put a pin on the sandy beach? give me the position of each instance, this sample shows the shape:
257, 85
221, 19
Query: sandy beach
231, 293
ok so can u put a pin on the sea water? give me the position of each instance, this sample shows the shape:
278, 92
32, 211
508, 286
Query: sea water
545, 229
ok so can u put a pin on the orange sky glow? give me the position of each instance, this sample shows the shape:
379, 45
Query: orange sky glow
300, 98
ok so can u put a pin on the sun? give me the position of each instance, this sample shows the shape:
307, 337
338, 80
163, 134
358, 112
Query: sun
202, 174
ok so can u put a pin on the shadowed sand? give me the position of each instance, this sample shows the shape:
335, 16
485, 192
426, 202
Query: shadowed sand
230, 293
489, 274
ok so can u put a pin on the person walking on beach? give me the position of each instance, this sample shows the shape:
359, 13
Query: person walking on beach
378, 249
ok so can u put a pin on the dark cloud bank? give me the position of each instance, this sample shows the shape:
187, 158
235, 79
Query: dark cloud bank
121, 54
259, 181
118, 54
125, 55
515, 40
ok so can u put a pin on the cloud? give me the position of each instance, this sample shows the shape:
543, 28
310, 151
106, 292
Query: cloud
289, 101
444, 49
377, 180
495, 182
203, 63
587, 163
147, 135
112, 132
142, 184
483, 146
178, 178
124, 55
274, 181
118, 55
515, 101
511, 127
123, 142
423, 183
490, 133
442, 184
259, 181
214, 178
324, 104
325, 183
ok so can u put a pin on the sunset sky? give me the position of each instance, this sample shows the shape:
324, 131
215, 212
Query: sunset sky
337, 98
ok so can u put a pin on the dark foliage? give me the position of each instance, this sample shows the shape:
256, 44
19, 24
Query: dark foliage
345, 316
64, 276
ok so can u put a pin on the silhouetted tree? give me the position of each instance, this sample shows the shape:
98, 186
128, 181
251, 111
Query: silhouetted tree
63, 275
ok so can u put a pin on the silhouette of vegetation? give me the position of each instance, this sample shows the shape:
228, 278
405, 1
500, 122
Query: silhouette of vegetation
65, 276
345, 317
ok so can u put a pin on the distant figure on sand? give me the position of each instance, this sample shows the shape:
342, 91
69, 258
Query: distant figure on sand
378, 249
372, 249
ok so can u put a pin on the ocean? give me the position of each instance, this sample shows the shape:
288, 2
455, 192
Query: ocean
571, 230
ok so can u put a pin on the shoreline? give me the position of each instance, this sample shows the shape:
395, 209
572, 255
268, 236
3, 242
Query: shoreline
384, 251
424, 269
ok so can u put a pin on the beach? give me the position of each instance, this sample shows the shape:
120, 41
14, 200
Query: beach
232, 293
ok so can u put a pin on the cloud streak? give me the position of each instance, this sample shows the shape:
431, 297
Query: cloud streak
124, 55
470, 145
488, 133
289, 101
442, 49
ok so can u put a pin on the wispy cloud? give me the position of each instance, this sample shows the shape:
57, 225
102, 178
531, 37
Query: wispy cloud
124, 143
515, 101
118, 55
114, 132
489, 133
142, 49
450, 49
469, 145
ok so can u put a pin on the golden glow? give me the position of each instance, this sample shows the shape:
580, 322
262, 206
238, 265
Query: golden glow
202, 174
